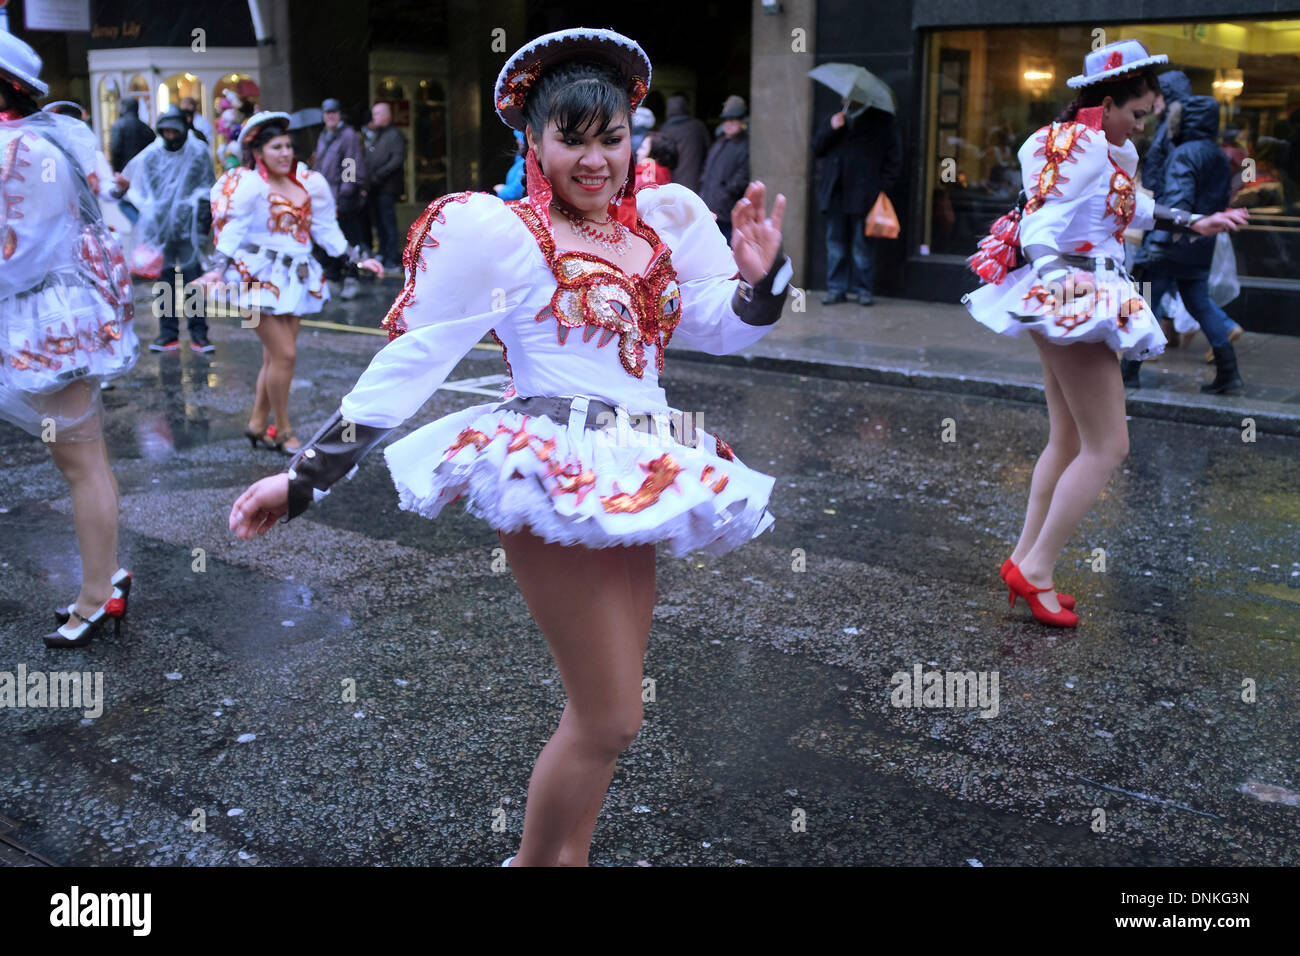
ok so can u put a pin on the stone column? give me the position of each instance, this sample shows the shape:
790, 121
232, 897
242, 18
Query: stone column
780, 116
482, 37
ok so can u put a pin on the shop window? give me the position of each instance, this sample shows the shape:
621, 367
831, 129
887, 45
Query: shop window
987, 90
109, 95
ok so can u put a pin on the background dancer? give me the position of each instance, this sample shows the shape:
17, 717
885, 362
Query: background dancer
1077, 301
65, 324
266, 214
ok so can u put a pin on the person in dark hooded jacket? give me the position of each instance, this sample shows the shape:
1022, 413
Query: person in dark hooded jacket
1175, 89
1195, 176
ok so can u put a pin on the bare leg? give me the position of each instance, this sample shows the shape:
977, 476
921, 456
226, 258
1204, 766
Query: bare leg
1062, 447
641, 580
585, 608
279, 334
84, 464
262, 398
1094, 391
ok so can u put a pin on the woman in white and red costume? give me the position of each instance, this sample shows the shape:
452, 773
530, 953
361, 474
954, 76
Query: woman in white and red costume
66, 307
1076, 300
583, 283
265, 215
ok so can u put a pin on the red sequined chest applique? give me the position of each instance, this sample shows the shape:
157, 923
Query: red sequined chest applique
596, 296
290, 218
1060, 142
1121, 200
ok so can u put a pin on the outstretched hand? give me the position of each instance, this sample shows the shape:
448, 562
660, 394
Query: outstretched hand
1228, 219
756, 237
260, 506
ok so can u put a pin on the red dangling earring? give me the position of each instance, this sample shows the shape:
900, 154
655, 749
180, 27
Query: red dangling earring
623, 205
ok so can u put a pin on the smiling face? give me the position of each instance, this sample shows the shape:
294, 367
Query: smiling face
1121, 122
277, 155
586, 168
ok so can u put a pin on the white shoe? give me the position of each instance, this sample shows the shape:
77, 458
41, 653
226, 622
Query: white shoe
350, 289
507, 862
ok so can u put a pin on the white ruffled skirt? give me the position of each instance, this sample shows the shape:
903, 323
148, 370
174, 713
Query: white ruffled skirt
257, 281
57, 343
1115, 314
581, 487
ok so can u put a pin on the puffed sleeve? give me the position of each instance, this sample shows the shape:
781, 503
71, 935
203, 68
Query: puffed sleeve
706, 271
234, 202
471, 262
1060, 166
324, 216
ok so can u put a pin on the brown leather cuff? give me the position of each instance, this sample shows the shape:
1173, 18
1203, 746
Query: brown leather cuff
333, 453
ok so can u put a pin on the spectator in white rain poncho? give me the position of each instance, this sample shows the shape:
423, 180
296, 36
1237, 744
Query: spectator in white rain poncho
169, 182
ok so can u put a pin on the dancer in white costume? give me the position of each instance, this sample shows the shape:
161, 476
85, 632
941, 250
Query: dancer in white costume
65, 323
266, 214
583, 283
1076, 300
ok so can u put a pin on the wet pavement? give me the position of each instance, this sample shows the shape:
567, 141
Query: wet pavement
772, 738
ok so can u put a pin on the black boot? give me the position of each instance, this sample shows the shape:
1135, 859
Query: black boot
1226, 379
1130, 370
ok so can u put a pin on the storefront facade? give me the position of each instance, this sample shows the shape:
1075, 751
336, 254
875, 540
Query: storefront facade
974, 80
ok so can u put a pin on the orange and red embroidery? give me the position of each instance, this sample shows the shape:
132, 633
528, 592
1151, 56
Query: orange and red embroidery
595, 295
289, 218
1060, 141
1121, 200
417, 240
9, 201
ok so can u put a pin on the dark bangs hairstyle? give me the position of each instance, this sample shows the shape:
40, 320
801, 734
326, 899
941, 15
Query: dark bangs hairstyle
1121, 89
16, 98
580, 95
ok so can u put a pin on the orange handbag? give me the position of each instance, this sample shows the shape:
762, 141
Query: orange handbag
881, 221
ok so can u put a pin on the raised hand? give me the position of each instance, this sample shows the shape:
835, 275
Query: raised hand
756, 237
260, 506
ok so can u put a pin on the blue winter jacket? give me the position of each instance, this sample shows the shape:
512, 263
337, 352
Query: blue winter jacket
1196, 178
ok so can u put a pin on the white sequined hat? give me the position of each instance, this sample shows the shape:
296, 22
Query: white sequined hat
21, 64
257, 119
1112, 60
526, 66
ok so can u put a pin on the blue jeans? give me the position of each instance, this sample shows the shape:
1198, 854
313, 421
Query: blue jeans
841, 232
383, 210
1214, 322
180, 254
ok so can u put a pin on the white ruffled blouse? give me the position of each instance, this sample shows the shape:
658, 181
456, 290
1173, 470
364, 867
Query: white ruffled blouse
570, 322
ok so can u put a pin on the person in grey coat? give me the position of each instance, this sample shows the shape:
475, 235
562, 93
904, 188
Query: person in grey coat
341, 158
691, 139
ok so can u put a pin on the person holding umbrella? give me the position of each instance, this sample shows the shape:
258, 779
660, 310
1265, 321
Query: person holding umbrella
859, 155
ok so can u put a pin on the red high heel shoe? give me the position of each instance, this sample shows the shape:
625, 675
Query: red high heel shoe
1018, 585
1062, 598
